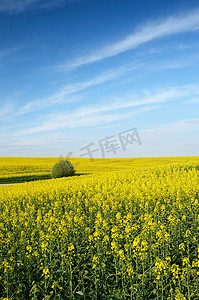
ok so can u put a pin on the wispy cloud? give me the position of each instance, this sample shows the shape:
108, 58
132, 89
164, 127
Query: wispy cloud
7, 108
147, 98
17, 6
188, 61
177, 127
7, 52
183, 46
114, 110
74, 120
149, 32
193, 101
61, 95
192, 121
14, 6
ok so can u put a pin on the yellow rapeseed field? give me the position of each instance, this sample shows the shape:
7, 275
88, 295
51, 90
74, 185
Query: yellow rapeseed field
123, 233
28, 168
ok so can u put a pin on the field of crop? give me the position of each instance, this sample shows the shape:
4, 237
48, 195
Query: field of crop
110, 234
23, 169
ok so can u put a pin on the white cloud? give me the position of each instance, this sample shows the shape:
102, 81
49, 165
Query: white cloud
7, 52
17, 6
193, 101
183, 46
61, 95
40, 104
79, 120
173, 128
5, 110
89, 115
192, 121
147, 33
188, 61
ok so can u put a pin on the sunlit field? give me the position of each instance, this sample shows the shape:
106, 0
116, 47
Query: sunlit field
21, 169
125, 229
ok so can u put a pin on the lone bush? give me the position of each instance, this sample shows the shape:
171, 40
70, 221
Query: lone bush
63, 168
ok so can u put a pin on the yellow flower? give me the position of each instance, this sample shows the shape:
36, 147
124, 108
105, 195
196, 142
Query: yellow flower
185, 261
182, 247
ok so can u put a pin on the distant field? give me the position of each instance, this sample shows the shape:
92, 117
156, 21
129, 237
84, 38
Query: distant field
21, 169
110, 234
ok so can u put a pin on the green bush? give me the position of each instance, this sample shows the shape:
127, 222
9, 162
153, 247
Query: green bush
63, 168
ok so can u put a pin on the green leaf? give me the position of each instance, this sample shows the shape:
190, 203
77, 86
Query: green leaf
80, 293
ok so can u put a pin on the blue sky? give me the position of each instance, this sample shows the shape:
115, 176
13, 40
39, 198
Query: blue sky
76, 72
